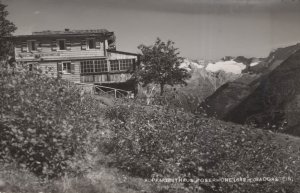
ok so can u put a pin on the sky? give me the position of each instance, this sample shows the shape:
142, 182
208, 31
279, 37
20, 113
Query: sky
201, 29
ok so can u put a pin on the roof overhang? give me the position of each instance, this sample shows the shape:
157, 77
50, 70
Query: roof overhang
121, 52
67, 35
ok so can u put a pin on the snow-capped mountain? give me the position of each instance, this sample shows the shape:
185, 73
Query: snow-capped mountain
203, 81
208, 76
254, 64
226, 66
235, 65
189, 64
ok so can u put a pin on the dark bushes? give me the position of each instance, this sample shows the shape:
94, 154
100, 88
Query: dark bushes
155, 142
45, 122
119, 112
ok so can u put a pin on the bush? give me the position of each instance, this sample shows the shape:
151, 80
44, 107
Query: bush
158, 142
119, 112
45, 122
178, 100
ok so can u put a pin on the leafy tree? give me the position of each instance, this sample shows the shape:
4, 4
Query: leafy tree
160, 65
7, 27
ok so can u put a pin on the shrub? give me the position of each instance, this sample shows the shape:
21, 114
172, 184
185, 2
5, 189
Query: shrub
158, 142
177, 100
119, 112
45, 122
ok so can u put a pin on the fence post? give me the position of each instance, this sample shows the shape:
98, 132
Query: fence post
115, 93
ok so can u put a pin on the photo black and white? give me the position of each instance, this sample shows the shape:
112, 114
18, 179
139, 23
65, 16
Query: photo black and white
149, 96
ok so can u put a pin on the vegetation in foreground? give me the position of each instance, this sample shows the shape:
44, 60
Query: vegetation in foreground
62, 140
54, 138
154, 142
45, 123
49, 131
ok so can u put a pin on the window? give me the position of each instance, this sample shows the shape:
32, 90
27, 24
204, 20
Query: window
31, 44
126, 64
100, 66
66, 67
30, 67
87, 66
93, 66
114, 65
61, 44
91, 43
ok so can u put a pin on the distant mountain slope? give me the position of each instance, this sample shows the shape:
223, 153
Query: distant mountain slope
204, 82
206, 78
270, 96
275, 58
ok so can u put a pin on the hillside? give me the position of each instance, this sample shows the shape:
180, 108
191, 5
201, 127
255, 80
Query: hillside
206, 78
203, 81
128, 146
170, 143
267, 98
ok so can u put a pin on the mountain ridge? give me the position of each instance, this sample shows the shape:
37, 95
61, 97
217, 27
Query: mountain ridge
269, 95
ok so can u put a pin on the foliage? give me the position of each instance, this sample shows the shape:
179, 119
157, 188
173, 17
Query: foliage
177, 100
119, 112
100, 180
7, 27
158, 142
173, 98
45, 123
160, 65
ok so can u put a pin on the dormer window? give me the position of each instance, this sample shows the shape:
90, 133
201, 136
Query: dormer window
91, 43
31, 45
61, 44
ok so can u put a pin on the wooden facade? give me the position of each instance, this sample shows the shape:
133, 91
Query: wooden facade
81, 56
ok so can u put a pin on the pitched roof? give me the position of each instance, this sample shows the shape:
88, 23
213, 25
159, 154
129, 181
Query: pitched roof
67, 32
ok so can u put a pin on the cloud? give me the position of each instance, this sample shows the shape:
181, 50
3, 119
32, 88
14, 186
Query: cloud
36, 12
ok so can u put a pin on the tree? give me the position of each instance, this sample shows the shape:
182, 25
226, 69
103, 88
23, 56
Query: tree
160, 65
6, 30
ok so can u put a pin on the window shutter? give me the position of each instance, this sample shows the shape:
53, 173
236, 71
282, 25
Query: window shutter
106, 44
59, 67
133, 65
72, 68
83, 45
36, 67
54, 45
24, 47
68, 44
30, 67
98, 44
